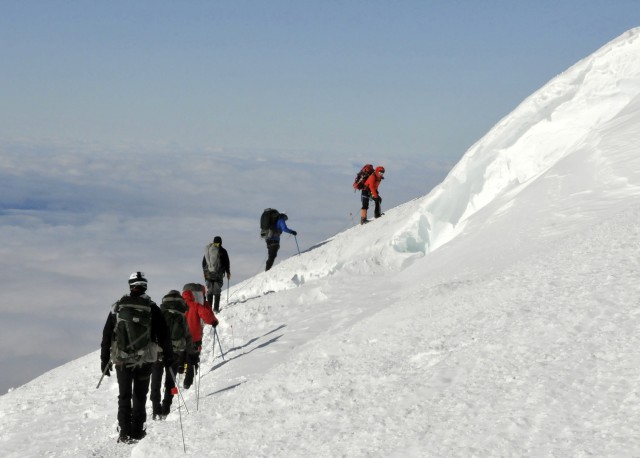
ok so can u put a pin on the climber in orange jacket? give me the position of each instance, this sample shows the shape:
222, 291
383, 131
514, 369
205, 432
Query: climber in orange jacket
370, 191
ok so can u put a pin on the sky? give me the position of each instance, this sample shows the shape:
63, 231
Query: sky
495, 316
416, 78
131, 133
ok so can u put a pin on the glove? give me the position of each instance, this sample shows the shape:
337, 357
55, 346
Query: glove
294, 233
229, 275
378, 199
105, 368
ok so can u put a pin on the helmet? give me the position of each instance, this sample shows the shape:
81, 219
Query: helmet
284, 216
217, 239
379, 169
137, 280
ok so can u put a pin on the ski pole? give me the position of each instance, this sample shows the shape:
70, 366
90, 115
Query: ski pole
175, 382
297, 246
218, 337
100, 381
215, 336
103, 374
184, 446
198, 390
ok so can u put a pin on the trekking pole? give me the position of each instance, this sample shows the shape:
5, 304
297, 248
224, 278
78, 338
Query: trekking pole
184, 446
103, 374
198, 389
175, 382
297, 246
215, 336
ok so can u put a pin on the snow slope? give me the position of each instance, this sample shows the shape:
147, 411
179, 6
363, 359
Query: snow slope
496, 316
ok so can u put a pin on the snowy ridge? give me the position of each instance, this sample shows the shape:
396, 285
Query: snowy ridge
571, 111
496, 316
551, 124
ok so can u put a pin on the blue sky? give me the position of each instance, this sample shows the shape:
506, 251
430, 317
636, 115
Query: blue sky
411, 78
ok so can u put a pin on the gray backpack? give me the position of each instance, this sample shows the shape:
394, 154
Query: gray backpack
212, 255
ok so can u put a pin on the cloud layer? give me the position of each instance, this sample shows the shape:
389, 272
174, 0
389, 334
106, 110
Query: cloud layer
109, 211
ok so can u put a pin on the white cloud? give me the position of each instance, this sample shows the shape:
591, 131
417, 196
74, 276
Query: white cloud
75, 223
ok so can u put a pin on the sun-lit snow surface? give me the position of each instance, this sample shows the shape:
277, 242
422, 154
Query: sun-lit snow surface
496, 316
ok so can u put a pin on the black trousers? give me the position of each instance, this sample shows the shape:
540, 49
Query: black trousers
272, 248
162, 404
193, 363
214, 287
364, 197
133, 386
365, 204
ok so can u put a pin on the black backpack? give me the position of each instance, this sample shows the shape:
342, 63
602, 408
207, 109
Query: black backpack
173, 310
132, 345
268, 221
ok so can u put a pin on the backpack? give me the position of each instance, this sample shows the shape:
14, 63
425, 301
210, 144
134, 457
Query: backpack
361, 177
173, 308
197, 290
132, 345
212, 255
268, 221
